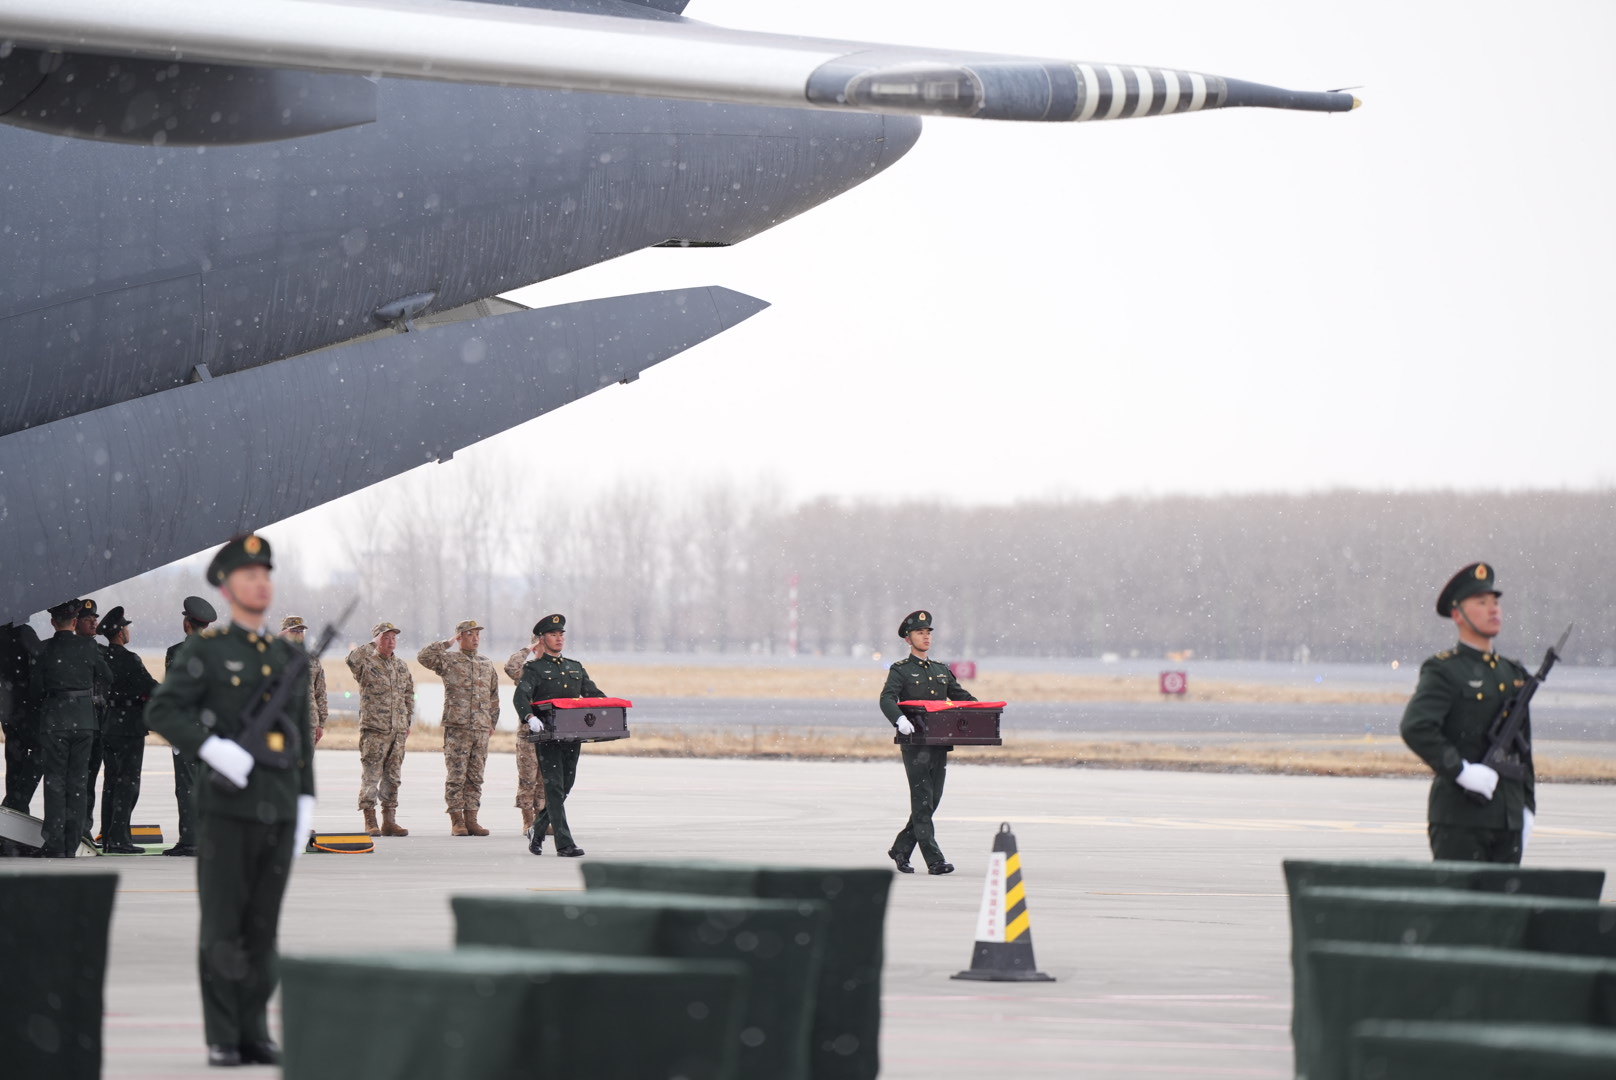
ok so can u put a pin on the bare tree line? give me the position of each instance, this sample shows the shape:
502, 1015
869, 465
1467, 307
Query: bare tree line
1346, 576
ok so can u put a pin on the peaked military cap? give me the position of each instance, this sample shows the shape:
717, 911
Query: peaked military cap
198, 610
466, 626
550, 624
86, 609
293, 622
249, 549
383, 628
112, 622
915, 620
1476, 579
66, 609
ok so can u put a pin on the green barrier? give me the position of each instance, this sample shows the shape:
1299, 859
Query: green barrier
53, 970
1358, 982
781, 943
1436, 917
500, 1014
1492, 878
847, 1001
1393, 1050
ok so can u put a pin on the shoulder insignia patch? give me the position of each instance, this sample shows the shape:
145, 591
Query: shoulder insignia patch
1445, 654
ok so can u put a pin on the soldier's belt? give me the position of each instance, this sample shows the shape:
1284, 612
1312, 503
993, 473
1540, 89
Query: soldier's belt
579, 720
952, 723
69, 693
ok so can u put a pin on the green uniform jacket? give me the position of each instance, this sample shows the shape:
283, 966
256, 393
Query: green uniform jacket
551, 677
132, 685
211, 681
1445, 723
914, 679
67, 672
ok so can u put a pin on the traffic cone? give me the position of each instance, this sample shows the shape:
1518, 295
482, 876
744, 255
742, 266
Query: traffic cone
1003, 950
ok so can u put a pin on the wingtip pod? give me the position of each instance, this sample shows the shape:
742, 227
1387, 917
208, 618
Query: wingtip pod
1015, 88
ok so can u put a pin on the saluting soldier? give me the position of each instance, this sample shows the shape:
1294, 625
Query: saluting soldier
251, 818
1446, 721
25, 761
68, 674
554, 676
529, 782
196, 615
917, 677
470, 711
294, 630
123, 738
386, 708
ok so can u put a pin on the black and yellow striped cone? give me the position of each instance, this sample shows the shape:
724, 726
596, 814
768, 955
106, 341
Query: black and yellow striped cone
1003, 951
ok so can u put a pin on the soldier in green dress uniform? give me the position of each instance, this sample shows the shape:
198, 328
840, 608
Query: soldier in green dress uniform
123, 736
196, 615
553, 676
1474, 814
19, 647
250, 818
919, 678
88, 618
68, 675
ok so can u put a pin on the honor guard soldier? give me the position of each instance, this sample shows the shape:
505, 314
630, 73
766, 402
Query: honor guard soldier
919, 678
294, 630
251, 817
68, 674
529, 781
1474, 814
84, 626
196, 614
25, 762
553, 676
386, 708
470, 711
123, 737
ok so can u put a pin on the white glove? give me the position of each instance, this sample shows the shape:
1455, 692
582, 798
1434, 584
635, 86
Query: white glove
535, 725
1527, 817
1482, 779
904, 726
229, 759
305, 822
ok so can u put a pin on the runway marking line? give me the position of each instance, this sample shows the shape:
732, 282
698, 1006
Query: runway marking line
1382, 828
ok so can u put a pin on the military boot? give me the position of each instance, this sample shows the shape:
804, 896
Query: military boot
457, 823
528, 814
471, 823
390, 826
371, 828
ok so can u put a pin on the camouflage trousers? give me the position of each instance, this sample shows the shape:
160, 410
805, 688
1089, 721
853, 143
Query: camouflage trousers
381, 761
529, 781
465, 750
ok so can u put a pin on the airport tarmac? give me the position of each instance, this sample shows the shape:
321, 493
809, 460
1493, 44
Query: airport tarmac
1156, 898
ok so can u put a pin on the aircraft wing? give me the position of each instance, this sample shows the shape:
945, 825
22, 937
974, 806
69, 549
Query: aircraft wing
497, 44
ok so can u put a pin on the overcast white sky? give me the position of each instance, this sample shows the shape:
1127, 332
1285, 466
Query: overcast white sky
1413, 295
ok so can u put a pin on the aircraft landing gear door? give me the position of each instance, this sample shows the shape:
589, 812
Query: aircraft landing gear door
113, 345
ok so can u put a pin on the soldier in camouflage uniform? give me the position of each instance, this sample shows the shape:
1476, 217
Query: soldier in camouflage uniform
529, 781
554, 676
917, 677
69, 673
1474, 814
123, 741
386, 707
196, 614
470, 711
293, 629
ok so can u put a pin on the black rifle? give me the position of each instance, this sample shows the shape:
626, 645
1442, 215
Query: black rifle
267, 731
1507, 747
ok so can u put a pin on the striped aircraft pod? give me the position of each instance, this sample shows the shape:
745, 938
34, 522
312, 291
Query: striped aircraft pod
1003, 951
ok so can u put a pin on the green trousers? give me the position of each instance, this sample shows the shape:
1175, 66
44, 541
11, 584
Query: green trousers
184, 781
558, 761
241, 872
123, 757
1463, 844
25, 764
926, 768
67, 780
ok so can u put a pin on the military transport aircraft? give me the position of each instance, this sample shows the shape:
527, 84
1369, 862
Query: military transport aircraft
252, 251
